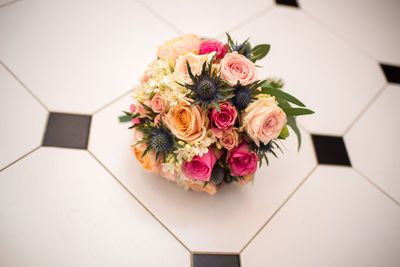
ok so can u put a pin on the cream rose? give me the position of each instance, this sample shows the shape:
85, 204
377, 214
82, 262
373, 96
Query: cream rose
263, 120
172, 49
181, 73
236, 67
187, 123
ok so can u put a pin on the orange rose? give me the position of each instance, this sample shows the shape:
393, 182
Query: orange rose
187, 123
246, 178
199, 187
148, 162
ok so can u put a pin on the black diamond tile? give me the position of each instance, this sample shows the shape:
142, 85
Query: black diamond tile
392, 73
216, 260
330, 150
67, 130
292, 3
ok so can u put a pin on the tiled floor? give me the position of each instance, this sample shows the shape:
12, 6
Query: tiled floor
75, 195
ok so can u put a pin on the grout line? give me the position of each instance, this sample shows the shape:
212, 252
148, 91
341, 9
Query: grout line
15, 161
9, 3
340, 36
159, 17
279, 208
141, 203
376, 186
24, 85
362, 112
112, 102
214, 253
247, 20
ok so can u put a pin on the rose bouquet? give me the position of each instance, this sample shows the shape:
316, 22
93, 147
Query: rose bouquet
202, 117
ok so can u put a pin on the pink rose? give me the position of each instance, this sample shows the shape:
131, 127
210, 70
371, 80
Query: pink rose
224, 120
238, 68
176, 47
263, 120
241, 161
142, 110
229, 140
133, 110
159, 103
200, 168
211, 46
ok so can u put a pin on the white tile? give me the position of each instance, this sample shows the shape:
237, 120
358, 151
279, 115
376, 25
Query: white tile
5, 2
371, 25
59, 207
223, 222
78, 55
335, 219
371, 142
22, 120
327, 74
209, 18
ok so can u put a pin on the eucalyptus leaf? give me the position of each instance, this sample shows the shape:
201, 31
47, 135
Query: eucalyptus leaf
260, 51
291, 122
297, 111
124, 118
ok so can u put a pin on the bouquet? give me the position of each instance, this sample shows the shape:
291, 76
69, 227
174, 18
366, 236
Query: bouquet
202, 117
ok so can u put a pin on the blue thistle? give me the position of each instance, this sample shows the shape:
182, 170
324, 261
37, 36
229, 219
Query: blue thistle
243, 49
264, 148
207, 88
162, 140
217, 174
242, 98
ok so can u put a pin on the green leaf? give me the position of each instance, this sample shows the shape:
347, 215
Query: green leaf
297, 111
291, 122
146, 151
284, 133
260, 51
280, 94
124, 118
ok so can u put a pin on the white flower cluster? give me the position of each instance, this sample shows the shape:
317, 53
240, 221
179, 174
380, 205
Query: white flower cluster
160, 80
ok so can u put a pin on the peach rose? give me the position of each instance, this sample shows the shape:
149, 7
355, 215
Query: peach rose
246, 179
236, 67
199, 186
195, 62
148, 162
159, 103
229, 140
187, 123
172, 49
263, 120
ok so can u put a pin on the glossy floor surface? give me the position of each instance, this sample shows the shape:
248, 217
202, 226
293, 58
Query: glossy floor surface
69, 67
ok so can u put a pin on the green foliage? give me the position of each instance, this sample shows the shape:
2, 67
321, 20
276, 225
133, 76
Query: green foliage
259, 52
125, 118
284, 133
256, 53
279, 94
